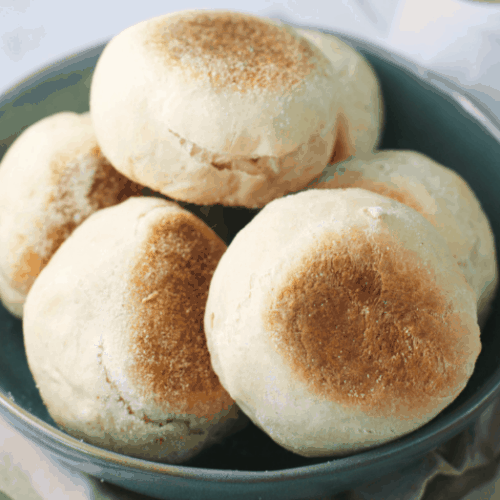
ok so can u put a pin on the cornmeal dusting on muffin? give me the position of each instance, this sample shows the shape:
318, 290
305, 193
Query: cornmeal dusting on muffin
363, 323
80, 184
28, 268
175, 268
236, 50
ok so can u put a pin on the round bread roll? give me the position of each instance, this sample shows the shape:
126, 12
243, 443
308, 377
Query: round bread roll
51, 179
442, 197
361, 109
338, 320
215, 107
114, 337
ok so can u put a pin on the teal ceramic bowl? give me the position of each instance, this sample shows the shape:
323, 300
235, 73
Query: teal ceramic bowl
423, 113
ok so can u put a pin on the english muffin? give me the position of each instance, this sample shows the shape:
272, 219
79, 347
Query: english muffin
215, 107
114, 337
52, 178
339, 320
360, 117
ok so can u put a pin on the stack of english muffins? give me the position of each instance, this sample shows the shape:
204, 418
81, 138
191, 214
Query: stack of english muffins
345, 312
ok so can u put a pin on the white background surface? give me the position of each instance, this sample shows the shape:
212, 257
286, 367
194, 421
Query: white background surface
37, 31
457, 38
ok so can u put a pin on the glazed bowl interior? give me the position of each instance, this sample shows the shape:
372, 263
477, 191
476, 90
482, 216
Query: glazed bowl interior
423, 113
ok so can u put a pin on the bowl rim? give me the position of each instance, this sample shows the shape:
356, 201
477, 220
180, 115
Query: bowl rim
450, 425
